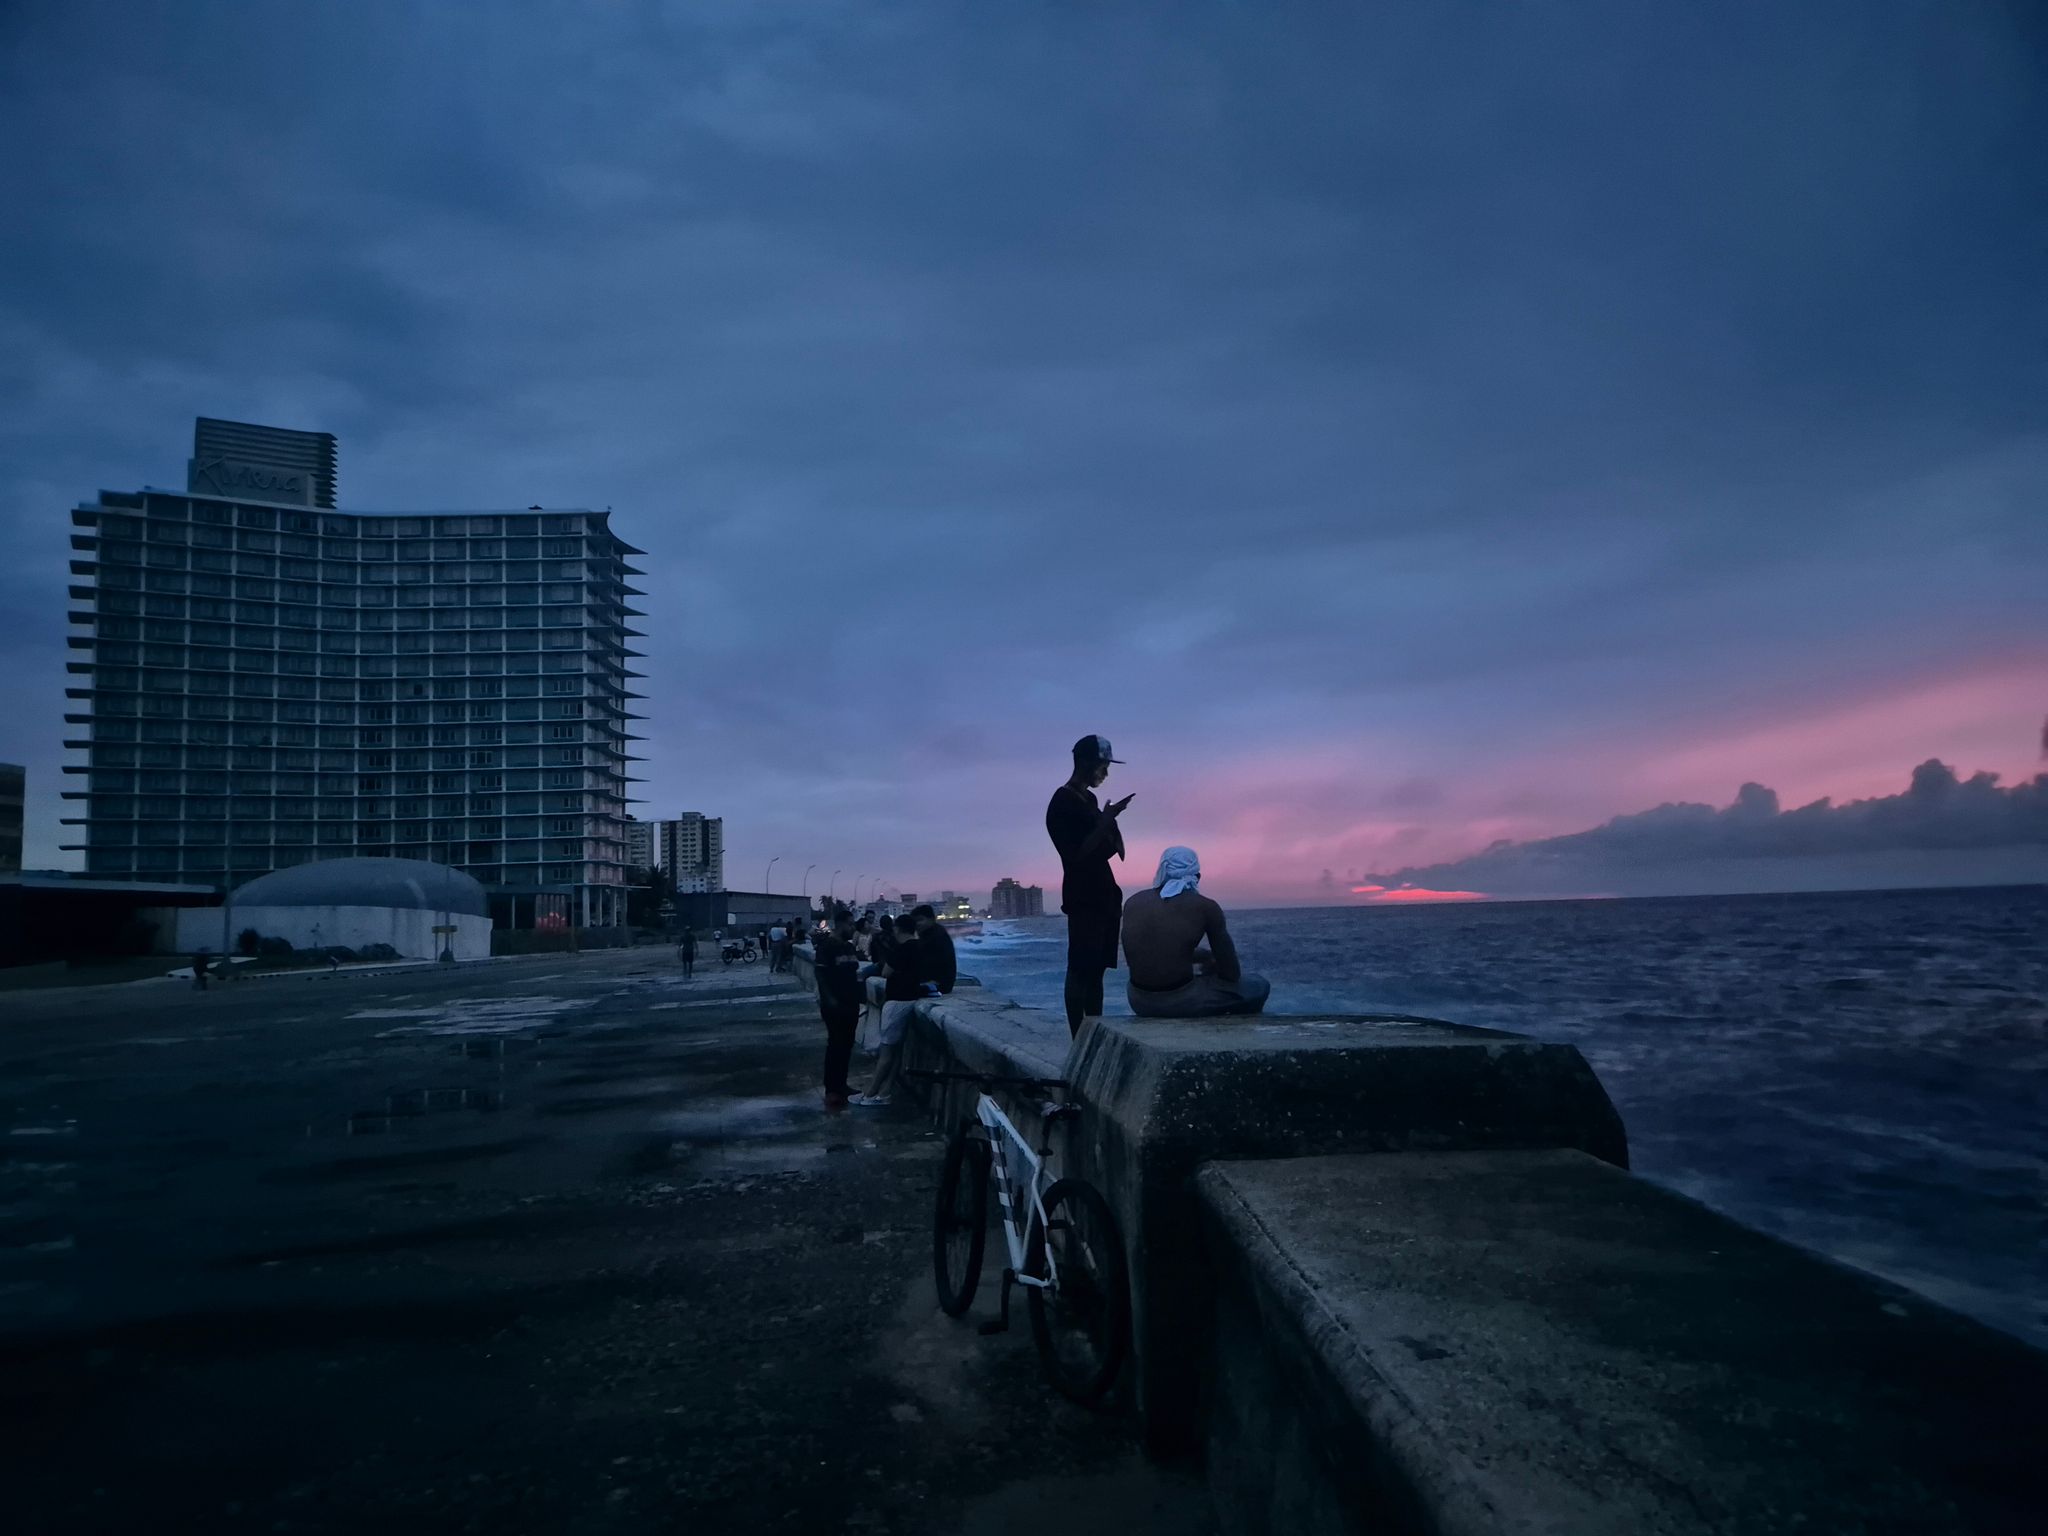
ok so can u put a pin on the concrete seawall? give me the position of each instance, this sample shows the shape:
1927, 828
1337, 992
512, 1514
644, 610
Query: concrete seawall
1391, 1274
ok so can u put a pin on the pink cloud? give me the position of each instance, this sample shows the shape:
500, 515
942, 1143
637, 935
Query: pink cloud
1978, 718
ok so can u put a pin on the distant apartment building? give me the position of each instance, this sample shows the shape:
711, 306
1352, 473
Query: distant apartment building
1009, 899
640, 850
261, 680
13, 792
693, 852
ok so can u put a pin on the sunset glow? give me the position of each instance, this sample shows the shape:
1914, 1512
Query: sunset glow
1412, 894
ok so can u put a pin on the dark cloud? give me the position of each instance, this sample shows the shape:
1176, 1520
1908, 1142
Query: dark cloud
1671, 847
1233, 379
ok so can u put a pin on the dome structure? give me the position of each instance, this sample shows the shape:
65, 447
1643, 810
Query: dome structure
413, 885
418, 908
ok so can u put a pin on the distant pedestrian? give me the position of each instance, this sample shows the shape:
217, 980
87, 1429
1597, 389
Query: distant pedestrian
1087, 836
686, 951
199, 959
777, 937
838, 1004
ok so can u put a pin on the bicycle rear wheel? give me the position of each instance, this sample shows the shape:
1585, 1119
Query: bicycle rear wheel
1083, 1323
960, 1227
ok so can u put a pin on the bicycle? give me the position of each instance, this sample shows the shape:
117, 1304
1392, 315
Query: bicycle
1062, 1237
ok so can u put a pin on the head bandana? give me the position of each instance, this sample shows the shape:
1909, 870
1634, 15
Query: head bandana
1179, 870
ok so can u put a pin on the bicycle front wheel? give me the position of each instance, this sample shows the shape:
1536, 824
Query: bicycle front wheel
1082, 1322
960, 1227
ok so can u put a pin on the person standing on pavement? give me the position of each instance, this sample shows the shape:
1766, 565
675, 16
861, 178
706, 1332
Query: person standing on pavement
686, 951
839, 998
1087, 835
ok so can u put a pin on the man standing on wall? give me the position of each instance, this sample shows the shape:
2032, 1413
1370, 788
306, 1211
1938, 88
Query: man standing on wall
1087, 835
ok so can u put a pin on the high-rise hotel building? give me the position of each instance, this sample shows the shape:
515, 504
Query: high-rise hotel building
262, 680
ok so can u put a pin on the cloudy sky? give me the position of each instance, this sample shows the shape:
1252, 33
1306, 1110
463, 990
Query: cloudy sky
1399, 427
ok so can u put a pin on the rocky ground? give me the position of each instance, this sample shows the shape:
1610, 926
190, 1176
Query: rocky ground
559, 1244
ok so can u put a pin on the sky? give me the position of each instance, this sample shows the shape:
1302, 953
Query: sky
1399, 428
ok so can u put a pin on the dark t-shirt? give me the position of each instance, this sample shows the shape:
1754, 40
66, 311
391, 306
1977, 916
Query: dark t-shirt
688, 942
906, 974
1089, 886
937, 964
838, 972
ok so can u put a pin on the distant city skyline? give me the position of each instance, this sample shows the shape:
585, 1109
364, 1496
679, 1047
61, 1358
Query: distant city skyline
1394, 449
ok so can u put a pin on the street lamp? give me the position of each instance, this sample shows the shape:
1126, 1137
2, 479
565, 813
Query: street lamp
833, 888
807, 885
447, 905
768, 871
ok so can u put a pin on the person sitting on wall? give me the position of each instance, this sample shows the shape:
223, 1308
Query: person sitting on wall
871, 978
903, 985
1172, 976
938, 967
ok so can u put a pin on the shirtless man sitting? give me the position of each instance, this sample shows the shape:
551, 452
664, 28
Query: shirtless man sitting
1164, 928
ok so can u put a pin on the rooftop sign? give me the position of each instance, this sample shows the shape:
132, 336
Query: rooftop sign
215, 476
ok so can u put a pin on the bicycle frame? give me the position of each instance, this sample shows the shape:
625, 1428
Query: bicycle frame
1007, 1142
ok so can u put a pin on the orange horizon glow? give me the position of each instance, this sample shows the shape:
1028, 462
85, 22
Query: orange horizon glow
1376, 894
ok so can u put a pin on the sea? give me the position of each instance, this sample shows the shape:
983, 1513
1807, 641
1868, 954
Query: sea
1864, 1074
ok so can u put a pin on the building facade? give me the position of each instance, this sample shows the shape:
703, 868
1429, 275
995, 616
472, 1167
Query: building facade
13, 794
693, 852
1009, 899
640, 849
261, 683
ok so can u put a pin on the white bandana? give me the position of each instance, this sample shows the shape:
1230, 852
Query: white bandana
1179, 870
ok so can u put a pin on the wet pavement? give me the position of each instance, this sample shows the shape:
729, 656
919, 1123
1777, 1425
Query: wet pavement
558, 1244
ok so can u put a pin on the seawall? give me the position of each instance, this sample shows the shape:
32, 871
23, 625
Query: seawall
1392, 1274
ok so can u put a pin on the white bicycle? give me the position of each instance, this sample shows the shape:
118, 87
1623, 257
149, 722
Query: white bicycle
1064, 1246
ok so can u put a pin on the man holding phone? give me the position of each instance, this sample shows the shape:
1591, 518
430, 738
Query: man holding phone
1087, 835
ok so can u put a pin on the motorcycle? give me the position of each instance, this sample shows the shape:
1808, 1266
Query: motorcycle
730, 951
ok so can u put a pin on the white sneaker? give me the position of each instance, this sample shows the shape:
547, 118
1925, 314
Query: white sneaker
869, 1101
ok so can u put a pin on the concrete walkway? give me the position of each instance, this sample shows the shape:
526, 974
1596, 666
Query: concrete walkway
559, 1245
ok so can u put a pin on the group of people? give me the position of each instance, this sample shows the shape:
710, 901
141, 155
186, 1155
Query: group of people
884, 964
1182, 962
1181, 959
778, 943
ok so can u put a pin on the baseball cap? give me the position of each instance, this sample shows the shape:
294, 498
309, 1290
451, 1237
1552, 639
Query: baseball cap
1094, 749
